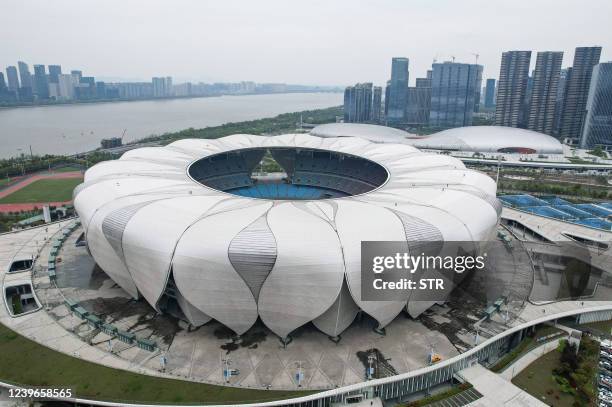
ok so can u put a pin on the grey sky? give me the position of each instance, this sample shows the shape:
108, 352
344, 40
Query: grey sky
328, 42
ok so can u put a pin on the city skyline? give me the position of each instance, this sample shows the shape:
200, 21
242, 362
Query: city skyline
235, 42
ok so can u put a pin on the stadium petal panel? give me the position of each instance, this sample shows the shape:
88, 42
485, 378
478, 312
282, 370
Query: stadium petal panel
200, 232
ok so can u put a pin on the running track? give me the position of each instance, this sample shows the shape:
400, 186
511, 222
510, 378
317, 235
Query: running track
16, 207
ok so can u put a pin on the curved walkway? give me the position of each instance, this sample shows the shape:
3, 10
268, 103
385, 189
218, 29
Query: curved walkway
520, 364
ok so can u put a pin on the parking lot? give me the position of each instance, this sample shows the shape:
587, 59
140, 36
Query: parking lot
605, 374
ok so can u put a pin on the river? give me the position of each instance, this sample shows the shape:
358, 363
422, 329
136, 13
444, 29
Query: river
68, 129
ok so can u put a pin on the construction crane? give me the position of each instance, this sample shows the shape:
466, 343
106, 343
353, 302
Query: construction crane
476, 56
453, 58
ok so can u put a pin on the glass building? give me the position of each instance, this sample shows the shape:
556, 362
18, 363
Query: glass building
41, 82
543, 93
512, 88
489, 101
377, 104
577, 92
398, 91
358, 103
454, 89
598, 123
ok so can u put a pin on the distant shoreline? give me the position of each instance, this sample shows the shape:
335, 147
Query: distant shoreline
95, 102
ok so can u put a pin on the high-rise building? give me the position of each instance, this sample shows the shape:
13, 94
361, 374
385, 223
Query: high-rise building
512, 88
418, 102
54, 72
41, 82
3, 87
65, 87
489, 97
386, 106
24, 75
86, 89
101, 90
162, 87
577, 92
377, 104
598, 122
358, 103
168, 86
543, 94
12, 78
6, 95
454, 89
76, 76
398, 90
559, 99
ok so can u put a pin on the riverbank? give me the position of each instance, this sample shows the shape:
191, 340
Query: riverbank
286, 122
120, 100
73, 129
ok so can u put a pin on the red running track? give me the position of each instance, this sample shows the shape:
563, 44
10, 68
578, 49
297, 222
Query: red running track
16, 207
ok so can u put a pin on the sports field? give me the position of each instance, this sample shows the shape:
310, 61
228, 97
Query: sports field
44, 190
23, 361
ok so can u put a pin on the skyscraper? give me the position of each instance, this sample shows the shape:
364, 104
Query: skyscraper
418, 102
559, 99
66, 86
168, 86
358, 103
3, 87
454, 88
86, 89
577, 92
54, 72
41, 82
77, 75
598, 121
489, 101
24, 75
398, 89
12, 78
512, 87
544, 92
377, 104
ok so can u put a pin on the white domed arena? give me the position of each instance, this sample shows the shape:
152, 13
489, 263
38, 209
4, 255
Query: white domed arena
195, 230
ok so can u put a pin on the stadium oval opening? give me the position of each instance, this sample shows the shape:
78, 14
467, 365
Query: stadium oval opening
288, 173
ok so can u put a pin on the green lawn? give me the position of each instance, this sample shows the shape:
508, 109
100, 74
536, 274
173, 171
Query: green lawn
537, 380
528, 343
67, 169
562, 379
25, 362
603, 326
44, 190
4, 181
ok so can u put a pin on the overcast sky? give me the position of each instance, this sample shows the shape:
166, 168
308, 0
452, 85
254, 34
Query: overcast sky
327, 42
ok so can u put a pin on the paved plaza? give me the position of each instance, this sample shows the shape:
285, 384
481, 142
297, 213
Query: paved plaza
258, 358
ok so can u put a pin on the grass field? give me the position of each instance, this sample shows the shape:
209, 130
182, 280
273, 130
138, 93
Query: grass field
538, 381
67, 169
603, 326
527, 344
26, 362
44, 190
560, 379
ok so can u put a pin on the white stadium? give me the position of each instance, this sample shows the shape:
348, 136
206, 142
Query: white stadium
191, 229
491, 139
482, 139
